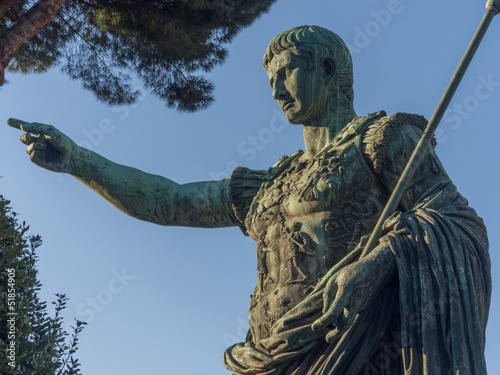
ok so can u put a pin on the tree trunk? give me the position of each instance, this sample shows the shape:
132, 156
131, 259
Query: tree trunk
26, 26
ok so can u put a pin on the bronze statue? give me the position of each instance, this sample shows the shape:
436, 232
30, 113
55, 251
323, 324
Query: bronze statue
417, 304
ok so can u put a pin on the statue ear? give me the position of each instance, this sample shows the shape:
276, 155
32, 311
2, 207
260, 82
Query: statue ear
328, 66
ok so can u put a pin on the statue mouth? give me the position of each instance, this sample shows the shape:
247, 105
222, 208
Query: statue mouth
287, 105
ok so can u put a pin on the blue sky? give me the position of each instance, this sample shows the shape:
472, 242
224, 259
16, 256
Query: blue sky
162, 300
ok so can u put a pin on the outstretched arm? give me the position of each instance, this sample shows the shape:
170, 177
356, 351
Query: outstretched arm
141, 195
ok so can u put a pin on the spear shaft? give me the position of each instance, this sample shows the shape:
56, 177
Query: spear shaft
492, 9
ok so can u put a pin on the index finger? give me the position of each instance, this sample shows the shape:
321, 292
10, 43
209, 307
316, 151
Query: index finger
31, 127
25, 126
16, 123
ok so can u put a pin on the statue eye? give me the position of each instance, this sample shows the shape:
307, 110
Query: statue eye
287, 72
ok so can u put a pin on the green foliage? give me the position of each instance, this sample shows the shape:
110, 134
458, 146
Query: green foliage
167, 44
41, 344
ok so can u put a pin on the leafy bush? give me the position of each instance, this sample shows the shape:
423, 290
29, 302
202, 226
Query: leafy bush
32, 341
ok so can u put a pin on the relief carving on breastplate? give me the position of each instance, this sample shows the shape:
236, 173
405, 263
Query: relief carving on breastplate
326, 180
262, 249
298, 245
352, 219
293, 253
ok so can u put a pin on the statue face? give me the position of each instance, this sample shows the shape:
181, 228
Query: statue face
301, 93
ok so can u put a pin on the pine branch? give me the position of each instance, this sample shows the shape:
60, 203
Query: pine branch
87, 3
92, 48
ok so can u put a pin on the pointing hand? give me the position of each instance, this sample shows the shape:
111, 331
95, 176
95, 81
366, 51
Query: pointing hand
47, 147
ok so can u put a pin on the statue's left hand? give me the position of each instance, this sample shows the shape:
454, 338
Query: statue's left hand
351, 290
248, 354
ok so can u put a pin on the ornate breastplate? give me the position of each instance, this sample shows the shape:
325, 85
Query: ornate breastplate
306, 217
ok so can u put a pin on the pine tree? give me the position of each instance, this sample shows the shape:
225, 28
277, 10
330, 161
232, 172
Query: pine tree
31, 341
166, 44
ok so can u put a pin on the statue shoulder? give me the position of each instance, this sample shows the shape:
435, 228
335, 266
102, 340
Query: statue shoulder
381, 136
246, 183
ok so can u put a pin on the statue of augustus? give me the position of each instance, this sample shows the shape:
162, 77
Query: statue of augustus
417, 304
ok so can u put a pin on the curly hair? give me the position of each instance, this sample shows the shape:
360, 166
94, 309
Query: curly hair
315, 43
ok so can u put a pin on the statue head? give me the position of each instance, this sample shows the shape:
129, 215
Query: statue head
318, 46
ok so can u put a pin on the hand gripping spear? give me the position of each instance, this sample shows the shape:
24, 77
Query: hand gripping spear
492, 9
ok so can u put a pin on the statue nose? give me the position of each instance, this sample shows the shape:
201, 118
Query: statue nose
278, 89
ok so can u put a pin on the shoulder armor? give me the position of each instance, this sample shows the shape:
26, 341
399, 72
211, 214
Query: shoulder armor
245, 183
377, 135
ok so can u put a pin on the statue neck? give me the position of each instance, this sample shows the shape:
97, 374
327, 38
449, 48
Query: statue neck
318, 135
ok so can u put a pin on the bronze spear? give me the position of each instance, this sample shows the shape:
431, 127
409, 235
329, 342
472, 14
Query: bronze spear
492, 9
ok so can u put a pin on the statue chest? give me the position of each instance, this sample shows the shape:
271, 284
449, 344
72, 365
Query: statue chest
304, 188
306, 218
